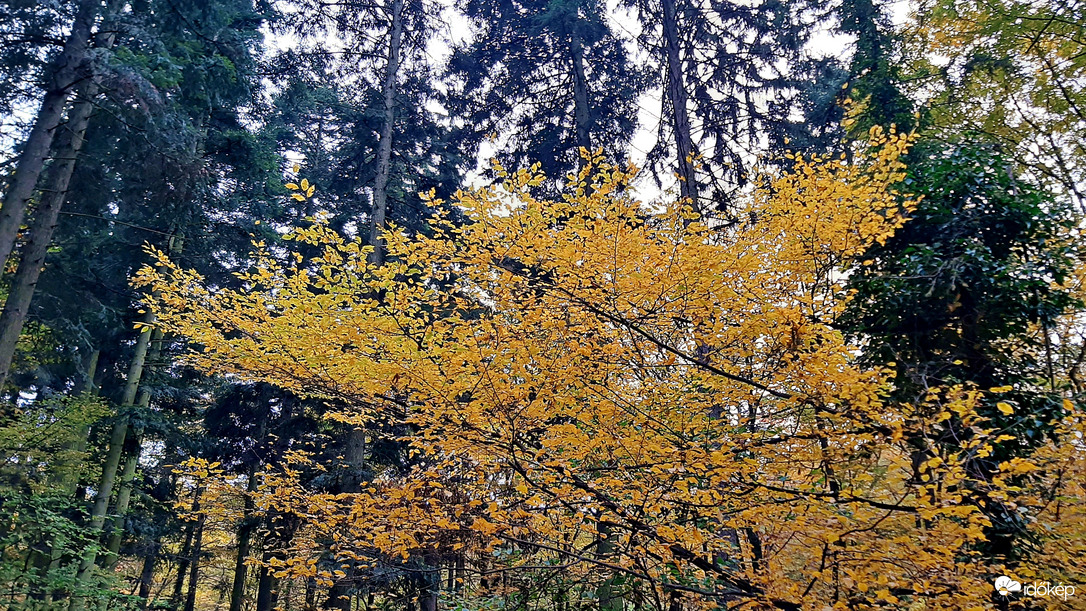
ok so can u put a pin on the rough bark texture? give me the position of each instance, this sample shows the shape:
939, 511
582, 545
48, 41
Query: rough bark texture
267, 589
113, 458
384, 151
66, 72
182, 566
54, 191
680, 116
124, 495
147, 573
245, 534
194, 560
128, 475
580, 92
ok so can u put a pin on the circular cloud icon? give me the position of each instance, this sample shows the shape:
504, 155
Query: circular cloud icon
1005, 585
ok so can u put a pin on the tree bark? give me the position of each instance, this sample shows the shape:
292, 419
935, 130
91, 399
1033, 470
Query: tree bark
267, 587
607, 595
245, 535
124, 495
64, 75
147, 574
680, 116
128, 476
580, 91
194, 561
113, 458
182, 566
430, 596
34, 252
384, 149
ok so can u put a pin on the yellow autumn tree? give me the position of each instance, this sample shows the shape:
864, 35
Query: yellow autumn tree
657, 403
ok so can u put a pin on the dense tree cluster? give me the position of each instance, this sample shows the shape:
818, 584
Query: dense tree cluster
331, 305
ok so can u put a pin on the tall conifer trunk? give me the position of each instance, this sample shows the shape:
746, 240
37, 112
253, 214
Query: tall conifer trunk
182, 566
580, 91
245, 533
384, 149
128, 475
54, 191
65, 73
147, 573
680, 114
113, 458
194, 560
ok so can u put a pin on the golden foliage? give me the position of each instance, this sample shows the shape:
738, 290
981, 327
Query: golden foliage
586, 368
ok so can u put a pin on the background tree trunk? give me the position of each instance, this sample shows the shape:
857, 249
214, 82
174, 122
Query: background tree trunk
113, 458
384, 151
194, 561
245, 533
580, 91
680, 116
147, 573
65, 74
128, 475
182, 566
34, 252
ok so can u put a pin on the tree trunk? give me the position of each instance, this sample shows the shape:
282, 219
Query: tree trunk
310, 594
267, 587
124, 495
607, 595
430, 596
147, 574
34, 252
245, 535
113, 458
182, 566
580, 92
384, 150
128, 476
354, 455
281, 529
194, 561
101, 503
64, 75
680, 117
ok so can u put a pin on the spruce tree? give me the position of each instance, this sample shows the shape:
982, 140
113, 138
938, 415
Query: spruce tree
546, 77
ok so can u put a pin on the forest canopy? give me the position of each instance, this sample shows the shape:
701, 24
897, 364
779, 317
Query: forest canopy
547, 306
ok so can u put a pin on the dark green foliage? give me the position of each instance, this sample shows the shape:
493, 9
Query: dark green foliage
31, 33
875, 71
967, 275
200, 117
335, 129
871, 81
41, 522
967, 293
740, 70
516, 80
823, 90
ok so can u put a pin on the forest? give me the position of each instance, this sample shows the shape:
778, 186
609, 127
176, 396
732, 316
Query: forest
542, 305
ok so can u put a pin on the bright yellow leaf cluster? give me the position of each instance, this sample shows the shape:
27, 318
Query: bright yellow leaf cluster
585, 369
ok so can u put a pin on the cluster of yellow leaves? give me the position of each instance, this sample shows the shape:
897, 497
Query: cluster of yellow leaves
584, 368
